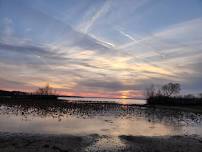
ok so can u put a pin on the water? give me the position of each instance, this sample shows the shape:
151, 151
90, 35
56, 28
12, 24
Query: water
102, 119
112, 100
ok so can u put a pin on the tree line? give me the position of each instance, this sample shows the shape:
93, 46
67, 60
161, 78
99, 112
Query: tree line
170, 94
168, 90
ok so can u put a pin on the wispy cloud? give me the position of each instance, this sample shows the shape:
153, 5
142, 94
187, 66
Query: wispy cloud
88, 23
127, 35
105, 54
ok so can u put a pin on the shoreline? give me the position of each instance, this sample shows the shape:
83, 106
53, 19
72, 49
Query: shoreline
65, 103
22, 142
190, 108
27, 142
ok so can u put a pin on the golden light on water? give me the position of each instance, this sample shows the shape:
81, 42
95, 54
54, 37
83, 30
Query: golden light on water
124, 95
122, 101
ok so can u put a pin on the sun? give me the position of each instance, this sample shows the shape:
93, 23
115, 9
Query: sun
124, 94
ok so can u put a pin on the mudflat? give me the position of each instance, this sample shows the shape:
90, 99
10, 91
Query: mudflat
163, 144
101, 127
17, 142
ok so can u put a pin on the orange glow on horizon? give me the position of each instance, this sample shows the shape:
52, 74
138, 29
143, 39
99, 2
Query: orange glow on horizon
124, 94
105, 94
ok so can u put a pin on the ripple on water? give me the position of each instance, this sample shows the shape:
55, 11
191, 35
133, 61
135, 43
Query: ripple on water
104, 119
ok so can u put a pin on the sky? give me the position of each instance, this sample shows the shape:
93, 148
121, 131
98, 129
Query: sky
108, 48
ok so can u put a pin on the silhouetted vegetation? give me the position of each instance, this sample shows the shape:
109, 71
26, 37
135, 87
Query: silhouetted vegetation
169, 94
41, 93
47, 90
167, 90
200, 95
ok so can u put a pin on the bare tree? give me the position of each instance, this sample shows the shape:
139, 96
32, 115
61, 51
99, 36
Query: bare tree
189, 96
150, 91
200, 95
170, 89
47, 90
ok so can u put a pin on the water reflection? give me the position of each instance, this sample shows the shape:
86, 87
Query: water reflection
105, 100
88, 118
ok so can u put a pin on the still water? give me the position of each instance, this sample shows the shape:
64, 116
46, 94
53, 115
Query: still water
102, 119
107, 100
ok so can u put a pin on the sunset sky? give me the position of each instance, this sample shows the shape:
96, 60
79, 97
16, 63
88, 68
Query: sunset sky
113, 48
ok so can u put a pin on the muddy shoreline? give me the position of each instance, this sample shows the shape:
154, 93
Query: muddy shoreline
116, 128
20, 142
27, 103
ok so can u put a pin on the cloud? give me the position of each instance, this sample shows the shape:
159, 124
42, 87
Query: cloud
88, 23
14, 85
7, 25
24, 48
127, 35
182, 39
51, 30
107, 85
93, 56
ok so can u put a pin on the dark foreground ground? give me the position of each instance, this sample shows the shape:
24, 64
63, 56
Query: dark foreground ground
16, 142
68, 143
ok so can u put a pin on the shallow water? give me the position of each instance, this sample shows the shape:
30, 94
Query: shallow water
109, 100
102, 119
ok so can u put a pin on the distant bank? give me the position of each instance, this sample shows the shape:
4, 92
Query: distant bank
24, 95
